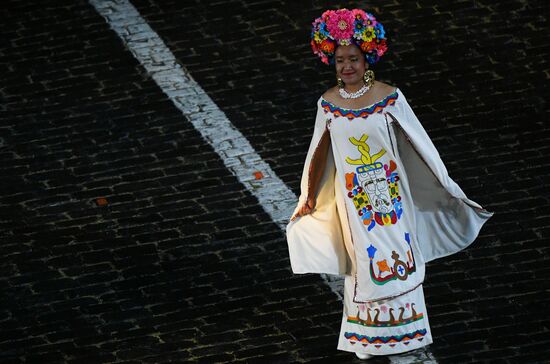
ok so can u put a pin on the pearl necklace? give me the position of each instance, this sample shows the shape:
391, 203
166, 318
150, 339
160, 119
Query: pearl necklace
354, 95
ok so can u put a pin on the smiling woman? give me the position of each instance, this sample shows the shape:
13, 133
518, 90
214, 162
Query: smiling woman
350, 71
376, 201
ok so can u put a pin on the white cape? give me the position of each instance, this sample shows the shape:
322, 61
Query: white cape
447, 221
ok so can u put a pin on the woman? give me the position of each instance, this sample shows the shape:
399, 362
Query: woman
376, 201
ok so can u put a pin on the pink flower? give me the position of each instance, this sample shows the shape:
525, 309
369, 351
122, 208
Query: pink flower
314, 47
340, 24
327, 14
381, 48
359, 14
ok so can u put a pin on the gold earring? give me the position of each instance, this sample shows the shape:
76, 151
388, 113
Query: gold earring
368, 77
339, 82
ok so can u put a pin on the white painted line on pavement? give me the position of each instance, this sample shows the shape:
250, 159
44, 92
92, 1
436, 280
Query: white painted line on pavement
233, 148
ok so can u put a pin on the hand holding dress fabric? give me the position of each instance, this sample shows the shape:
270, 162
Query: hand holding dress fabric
306, 208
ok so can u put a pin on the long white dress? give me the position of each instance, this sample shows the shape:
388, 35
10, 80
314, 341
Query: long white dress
385, 206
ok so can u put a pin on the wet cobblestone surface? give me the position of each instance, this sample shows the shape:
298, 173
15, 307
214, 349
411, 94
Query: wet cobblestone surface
182, 264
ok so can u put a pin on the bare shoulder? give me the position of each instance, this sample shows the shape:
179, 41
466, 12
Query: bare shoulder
383, 89
331, 94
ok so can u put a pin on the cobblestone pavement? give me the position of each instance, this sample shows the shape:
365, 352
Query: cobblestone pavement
180, 263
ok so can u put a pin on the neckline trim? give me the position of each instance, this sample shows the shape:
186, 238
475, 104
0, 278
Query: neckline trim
362, 112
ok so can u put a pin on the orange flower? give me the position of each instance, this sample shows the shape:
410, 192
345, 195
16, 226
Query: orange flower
368, 46
327, 46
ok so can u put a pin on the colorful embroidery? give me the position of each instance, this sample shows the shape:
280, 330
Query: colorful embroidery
391, 321
400, 270
379, 340
363, 148
375, 194
359, 113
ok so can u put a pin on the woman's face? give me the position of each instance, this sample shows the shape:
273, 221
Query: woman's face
350, 64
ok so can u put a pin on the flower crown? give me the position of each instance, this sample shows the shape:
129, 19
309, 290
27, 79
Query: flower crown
346, 27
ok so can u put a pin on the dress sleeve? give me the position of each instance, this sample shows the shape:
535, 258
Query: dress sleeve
427, 150
446, 220
315, 240
319, 128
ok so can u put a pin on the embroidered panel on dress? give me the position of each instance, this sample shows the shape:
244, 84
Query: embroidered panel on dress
407, 315
399, 270
373, 187
359, 113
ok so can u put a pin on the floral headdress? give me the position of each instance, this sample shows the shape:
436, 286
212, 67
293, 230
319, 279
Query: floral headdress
346, 27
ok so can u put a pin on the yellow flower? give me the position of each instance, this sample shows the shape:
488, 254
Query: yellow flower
344, 42
318, 37
368, 34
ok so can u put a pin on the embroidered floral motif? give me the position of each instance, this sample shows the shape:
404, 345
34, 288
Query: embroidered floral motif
359, 113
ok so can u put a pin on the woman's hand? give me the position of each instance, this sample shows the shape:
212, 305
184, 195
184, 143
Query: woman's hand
307, 208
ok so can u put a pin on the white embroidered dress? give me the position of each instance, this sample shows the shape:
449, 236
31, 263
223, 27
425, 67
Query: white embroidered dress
385, 206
